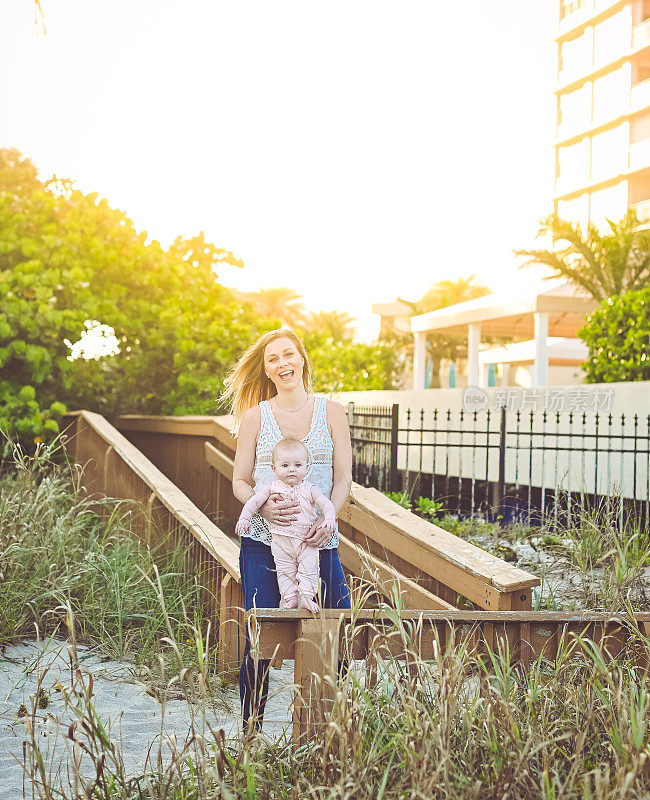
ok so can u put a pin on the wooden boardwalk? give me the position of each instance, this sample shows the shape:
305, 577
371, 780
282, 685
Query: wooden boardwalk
178, 472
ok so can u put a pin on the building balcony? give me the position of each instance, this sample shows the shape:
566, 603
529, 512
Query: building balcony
571, 129
639, 155
569, 184
588, 69
640, 96
576, 13
641, 35
642, 210
569, 8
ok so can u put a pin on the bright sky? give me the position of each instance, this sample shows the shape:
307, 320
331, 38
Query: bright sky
353, 150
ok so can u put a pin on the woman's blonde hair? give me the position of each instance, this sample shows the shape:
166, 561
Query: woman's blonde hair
247, 384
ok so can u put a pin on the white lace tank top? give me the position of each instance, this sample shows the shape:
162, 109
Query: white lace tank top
320, 447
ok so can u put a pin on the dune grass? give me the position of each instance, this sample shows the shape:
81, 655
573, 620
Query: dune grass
455, 727
61, 550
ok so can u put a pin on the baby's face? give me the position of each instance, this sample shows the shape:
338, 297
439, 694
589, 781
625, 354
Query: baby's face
290, 465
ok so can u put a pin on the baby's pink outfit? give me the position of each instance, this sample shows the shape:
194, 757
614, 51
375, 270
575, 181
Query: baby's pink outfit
296, 562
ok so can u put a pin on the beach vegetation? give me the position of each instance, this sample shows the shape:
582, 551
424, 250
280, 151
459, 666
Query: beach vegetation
63, 551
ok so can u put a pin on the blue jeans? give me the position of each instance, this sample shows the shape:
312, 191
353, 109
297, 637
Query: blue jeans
260, 590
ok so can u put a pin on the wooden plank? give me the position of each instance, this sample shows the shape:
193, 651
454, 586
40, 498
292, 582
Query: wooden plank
219, 461
385, 577
68, 433
374, 615
526, 651
188, 425
424, 554
435, 540
314, 694
210, 536
527, 634
231, 628
278, 637
222, 431
319, 641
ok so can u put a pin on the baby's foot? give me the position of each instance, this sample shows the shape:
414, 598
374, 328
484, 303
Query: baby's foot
308, 604
290, 602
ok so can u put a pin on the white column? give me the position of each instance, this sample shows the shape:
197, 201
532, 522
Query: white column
540, 368
505, 374
473, 341
482, 375
419, 359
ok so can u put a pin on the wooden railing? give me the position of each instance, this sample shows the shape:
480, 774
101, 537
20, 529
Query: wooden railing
180, 469
178, 472
378, 538
318, 645
163, 514
434, 568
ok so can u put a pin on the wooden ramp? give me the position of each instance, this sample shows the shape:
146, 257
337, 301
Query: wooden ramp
178, 473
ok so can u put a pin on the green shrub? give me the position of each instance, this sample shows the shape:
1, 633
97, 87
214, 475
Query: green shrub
67, 259
401, 498
618, 337
430, 509
21, 416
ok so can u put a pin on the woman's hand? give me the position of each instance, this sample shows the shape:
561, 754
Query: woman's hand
319, 534
280, 512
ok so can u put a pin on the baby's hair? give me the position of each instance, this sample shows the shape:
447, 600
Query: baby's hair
289, 444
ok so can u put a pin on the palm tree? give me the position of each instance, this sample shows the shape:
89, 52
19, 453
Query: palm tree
278, 303
602, 264
448, 293
337, 325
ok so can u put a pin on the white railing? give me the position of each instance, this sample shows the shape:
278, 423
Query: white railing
640, 154
640, 95
641, 35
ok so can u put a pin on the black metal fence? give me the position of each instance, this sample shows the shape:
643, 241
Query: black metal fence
523, 465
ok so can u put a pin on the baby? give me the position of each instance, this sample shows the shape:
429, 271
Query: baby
296, 562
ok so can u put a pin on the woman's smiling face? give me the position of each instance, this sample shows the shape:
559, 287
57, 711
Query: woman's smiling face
283, 363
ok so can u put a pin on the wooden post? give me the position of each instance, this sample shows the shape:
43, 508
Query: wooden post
232, 633
315, 670
525, 648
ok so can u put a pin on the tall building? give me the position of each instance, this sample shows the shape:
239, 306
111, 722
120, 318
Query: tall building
602, 148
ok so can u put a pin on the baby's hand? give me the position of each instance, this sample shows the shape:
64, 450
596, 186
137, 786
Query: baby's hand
242, 526
327, 527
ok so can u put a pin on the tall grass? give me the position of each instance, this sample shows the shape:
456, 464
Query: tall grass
61, 549
604, 557
458, 726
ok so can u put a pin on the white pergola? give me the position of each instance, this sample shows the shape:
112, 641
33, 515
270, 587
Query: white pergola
557, 311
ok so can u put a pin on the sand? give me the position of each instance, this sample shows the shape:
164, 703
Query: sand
126, 708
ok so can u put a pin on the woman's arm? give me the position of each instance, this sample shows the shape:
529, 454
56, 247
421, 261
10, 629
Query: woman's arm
337, 422
276, 510
242, 475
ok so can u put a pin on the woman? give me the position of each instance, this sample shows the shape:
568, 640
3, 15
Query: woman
271, 397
